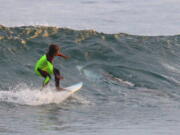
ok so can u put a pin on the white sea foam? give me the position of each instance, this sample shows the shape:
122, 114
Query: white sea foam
171, 67
33, 96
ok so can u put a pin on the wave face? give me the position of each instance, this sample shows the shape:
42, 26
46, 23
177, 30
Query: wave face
150, 62
101, 60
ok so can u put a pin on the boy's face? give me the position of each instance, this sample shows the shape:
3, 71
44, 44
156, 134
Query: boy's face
57, 52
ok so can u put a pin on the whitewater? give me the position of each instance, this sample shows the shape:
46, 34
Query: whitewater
126, 53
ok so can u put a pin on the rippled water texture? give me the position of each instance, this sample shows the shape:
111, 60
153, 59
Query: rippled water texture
131, 83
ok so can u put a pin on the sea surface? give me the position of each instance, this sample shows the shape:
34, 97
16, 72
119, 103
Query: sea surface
142, 17
131, 73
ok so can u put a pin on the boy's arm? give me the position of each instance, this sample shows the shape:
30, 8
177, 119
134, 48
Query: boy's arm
62, 55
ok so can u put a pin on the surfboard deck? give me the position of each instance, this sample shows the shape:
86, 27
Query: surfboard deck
70, 90
73, 88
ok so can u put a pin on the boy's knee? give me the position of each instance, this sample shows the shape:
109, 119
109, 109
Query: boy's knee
46, 81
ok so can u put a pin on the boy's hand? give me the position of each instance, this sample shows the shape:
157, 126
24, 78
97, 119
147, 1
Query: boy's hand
66, 57
62, 55
60, 77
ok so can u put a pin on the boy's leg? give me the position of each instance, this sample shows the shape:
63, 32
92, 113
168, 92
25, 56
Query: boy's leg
57, 78
46, 75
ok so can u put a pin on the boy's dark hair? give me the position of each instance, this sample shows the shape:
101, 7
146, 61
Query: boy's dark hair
53, 49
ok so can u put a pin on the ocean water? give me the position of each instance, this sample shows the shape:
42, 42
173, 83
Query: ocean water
131, 74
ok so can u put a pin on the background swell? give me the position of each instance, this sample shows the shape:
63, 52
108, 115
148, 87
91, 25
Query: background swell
104, 59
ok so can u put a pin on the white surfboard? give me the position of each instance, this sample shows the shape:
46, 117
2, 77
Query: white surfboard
73, 88
64, 94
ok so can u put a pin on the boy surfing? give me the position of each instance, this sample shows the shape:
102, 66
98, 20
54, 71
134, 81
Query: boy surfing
45, 68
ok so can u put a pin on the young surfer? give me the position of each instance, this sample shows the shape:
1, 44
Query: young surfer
45, 68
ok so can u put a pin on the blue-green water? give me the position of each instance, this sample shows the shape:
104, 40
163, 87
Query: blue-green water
131, 83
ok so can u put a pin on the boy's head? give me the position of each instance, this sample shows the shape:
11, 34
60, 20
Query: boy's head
53, 50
